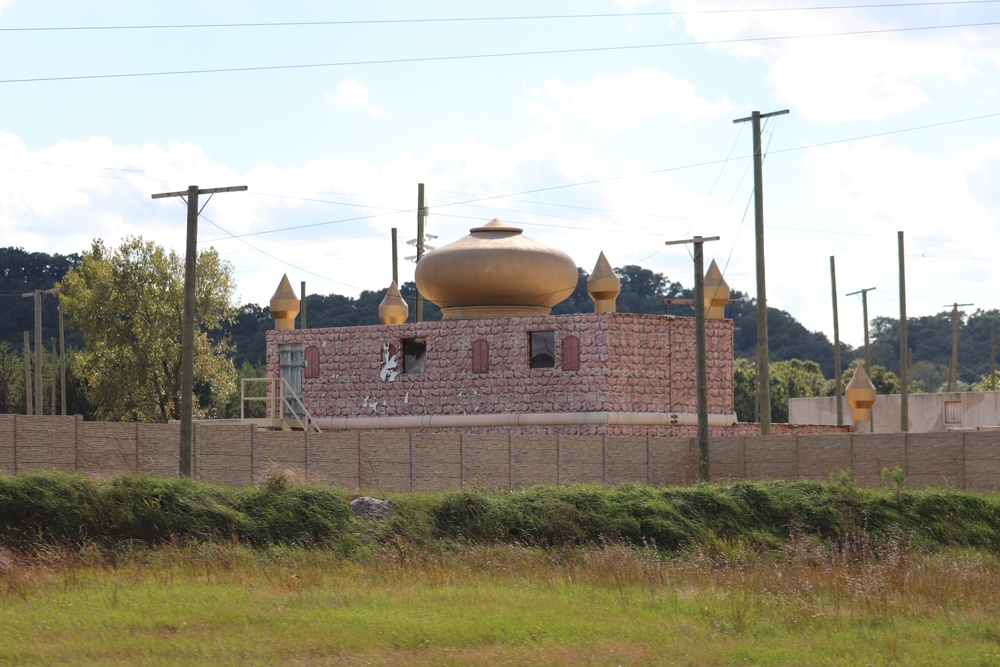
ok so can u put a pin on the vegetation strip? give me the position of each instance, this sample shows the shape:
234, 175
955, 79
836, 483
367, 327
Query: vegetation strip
48, 508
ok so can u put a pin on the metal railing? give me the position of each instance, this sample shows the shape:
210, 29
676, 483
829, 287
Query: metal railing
281, 404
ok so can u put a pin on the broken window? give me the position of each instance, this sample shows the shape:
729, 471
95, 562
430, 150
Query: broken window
414, 355
543, 349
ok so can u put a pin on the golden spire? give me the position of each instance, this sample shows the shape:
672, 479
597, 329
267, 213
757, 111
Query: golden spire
716, 293
860, 395
603, 286
284, 305
393, 309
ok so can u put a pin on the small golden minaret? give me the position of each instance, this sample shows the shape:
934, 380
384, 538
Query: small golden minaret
716, 293
603, 286
860, 395
284, 305
393, 309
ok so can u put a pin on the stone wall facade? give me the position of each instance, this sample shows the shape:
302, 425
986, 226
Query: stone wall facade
604, 362
366, 461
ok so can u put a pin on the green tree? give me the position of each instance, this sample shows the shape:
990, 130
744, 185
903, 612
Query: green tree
129, 306
745, 390
789, 379
11, 380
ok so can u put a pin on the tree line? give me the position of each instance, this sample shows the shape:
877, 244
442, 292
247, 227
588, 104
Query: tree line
124, 306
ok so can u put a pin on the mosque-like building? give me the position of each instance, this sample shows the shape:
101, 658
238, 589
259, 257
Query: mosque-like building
499, 361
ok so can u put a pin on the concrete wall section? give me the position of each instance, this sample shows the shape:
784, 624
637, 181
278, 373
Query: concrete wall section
536, 460
159, 449
334, 459
437, 462
934, 459
581, 459
926, 412
279, 450
628, 460
223, 454
385, 461
486, 461
8, 445
107, 448
46, 443
823, 456
982, 461
770, 457
876, 452
673, 461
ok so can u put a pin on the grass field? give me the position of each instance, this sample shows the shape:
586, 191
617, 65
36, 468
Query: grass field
140, 571
607, 605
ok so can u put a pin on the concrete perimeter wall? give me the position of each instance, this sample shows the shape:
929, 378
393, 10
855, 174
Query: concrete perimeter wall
404, 461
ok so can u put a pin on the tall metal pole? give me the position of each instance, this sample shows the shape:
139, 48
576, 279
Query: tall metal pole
395, 259
953, 375
420, 245
837, 381
188, 321
904, 349
302, 305
701, 354
763, 361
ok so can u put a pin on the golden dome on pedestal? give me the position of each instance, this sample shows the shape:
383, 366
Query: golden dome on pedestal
393, 309
495, 271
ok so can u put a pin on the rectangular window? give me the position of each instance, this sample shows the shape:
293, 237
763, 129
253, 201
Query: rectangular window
953, 412
414, 356
543, 349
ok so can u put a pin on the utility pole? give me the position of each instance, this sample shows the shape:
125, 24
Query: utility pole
904, 349
421, 212
763, 361
953, 376
864, 310
62, 361
37, 296
302, 305
28, 407
993, 356
187, 328
52, 367
837, 382
701, 354
395, 259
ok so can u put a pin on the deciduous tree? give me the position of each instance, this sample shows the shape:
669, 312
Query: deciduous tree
129, 304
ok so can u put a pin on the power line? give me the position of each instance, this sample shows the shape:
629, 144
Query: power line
473, 19
484, 56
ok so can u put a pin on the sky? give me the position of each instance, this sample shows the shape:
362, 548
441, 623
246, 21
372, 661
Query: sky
595, 125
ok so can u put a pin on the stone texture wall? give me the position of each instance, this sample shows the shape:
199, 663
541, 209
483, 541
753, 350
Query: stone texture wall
404, 461
627, 362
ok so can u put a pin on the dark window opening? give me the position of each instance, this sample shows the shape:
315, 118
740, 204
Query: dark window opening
543, 349
312, 362
571, 353
480, 356
414, 356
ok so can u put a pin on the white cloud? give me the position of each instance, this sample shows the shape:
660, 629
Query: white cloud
846, 78
352, 92
614, 103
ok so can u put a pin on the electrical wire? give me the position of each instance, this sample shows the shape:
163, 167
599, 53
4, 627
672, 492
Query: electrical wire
471, 19
485, 56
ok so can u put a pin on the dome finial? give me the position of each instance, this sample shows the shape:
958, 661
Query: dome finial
284, 305
603, 286
393, 309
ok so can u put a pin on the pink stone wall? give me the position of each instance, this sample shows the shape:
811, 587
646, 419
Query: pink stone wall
627, 362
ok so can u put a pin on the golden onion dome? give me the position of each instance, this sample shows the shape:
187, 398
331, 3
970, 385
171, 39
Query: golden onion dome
495, 271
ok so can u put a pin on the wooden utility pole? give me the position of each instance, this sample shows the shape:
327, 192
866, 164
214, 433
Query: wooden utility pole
837, 382
421, 212
53, 374
701, 355
187, 327
37, 296
904, 349
395, 259
302, 305
763, 360
28, 407
953, 375
864, 310
62, 361
993, 356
